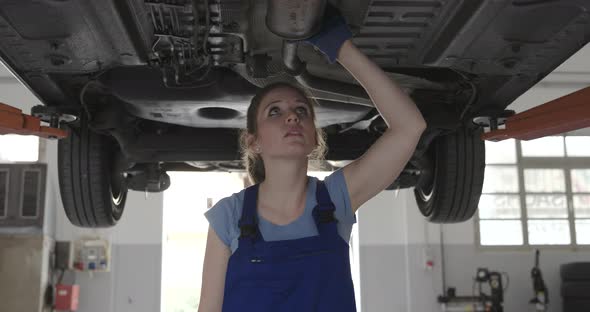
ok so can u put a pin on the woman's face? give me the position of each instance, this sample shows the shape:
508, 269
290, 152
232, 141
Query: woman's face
285, 124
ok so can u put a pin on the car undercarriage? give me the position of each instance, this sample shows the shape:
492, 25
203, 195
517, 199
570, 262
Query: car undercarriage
152, 86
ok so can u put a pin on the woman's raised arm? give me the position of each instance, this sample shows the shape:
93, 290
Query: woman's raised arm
386, 158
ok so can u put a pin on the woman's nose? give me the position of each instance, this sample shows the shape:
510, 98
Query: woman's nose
292, 117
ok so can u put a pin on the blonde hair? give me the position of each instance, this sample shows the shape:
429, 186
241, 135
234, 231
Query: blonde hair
253, 161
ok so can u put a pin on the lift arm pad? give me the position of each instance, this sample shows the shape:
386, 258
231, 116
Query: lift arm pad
567, 113
13, 121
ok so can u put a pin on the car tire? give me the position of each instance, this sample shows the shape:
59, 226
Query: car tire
93, 190
575, 271
451, 178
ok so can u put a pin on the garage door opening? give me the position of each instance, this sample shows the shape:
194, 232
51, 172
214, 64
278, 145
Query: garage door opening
22, 148
185, 234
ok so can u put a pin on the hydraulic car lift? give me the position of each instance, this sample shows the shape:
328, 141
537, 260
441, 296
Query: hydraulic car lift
13, 121
568, 113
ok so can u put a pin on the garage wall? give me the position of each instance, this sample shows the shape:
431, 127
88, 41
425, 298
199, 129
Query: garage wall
462, 258
395, 242
394, 237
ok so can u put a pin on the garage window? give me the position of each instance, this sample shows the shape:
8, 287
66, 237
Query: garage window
23, 148
536, 193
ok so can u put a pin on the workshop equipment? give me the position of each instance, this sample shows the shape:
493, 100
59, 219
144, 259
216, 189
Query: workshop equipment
66, 297
567, 113
479, 301
84, 255
541, 299
13, 121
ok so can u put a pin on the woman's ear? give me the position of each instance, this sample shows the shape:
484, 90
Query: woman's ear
251, 143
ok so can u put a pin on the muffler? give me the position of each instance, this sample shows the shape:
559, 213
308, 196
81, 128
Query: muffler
321, 88
295, 19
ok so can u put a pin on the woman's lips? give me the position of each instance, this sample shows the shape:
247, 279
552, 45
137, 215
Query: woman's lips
294, 133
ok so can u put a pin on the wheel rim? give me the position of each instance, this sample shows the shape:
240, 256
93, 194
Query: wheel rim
426, 193
118, 188
426, 187
426, 184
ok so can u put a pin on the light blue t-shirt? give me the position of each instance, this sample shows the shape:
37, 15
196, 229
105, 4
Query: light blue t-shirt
225, 215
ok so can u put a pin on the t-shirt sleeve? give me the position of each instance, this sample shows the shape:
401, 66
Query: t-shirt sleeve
223, 218
336, 185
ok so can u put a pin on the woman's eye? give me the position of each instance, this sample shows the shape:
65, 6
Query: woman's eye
273, 111
302, 111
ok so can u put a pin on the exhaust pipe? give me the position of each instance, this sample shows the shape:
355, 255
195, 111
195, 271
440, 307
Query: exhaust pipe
321, 88
301, 19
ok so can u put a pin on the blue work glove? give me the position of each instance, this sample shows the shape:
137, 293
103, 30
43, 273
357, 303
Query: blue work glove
333, 32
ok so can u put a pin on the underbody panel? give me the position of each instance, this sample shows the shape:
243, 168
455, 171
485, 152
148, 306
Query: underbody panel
197, 63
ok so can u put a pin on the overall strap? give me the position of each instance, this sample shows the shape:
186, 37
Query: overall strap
249, 222
324, 212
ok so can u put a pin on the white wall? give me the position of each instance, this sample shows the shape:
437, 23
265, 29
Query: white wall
395, 241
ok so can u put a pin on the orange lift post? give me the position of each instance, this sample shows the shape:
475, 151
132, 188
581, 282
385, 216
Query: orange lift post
13, 121
567, 113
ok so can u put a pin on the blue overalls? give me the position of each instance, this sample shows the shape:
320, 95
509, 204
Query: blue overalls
300, 275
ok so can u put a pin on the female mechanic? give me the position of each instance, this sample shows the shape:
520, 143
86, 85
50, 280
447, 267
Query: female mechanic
282, 244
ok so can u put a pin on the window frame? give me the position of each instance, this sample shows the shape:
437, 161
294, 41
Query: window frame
522, 163
37, 191
4, 203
